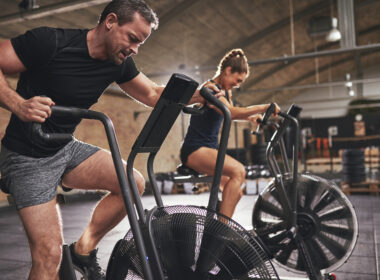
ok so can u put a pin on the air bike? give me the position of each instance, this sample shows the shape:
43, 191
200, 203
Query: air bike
181, 242
306, 222
171, 242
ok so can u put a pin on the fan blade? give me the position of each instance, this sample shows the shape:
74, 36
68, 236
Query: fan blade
327, 198
272, 228
278, 238
274, 193
285, 254
271, 209
345, 233
300, 265
310, 192
335, 248
280, 198
337, 213
281, 195
317, 255
274, 245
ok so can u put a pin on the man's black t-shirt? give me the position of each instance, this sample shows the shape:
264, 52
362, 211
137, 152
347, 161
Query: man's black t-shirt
59, 66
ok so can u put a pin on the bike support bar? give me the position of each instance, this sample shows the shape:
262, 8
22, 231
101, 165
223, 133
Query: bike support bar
208, 95
117, 159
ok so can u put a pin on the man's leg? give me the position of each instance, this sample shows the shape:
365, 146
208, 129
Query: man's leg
98, 172
43, 227
203, 160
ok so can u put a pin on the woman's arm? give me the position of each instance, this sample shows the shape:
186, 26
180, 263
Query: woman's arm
245, 113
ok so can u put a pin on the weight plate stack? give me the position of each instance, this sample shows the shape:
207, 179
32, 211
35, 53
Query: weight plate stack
353, 166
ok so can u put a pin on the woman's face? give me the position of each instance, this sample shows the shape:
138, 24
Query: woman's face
231, 80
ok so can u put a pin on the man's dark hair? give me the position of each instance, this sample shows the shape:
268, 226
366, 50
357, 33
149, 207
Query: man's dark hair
125, 9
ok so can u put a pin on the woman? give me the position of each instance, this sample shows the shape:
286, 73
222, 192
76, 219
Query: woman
199, 149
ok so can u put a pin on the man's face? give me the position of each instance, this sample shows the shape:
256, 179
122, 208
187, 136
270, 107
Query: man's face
124, 40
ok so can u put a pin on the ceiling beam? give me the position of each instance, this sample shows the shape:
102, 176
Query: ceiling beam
277, 68
273, 28
332, 99
320, 85
261, 34
291, 59
287, 59
320, 6
49, 10
280, 67
176, 12
311, 73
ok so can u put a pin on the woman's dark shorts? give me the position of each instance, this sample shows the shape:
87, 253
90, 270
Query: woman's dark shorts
186, 151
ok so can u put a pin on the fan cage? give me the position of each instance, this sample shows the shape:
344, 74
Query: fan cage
201, 243
334, 202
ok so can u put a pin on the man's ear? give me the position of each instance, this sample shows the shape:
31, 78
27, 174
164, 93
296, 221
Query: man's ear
111, 20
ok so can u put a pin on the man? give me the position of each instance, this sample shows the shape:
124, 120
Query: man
70, 68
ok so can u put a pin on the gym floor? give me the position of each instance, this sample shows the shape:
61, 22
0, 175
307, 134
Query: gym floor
15, 259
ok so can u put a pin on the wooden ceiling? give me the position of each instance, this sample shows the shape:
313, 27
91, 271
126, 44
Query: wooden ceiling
195, 34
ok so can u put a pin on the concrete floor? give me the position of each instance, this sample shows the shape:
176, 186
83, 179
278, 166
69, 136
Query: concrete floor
15, 258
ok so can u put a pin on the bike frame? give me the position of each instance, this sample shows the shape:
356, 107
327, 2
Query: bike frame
289, 196
176, 95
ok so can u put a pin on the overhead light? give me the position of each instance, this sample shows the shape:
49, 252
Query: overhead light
197, 70
334, 34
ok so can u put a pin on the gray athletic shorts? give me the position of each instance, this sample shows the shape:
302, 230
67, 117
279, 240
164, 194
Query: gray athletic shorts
33, 181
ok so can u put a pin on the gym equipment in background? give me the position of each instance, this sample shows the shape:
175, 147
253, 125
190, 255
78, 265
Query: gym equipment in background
307, 223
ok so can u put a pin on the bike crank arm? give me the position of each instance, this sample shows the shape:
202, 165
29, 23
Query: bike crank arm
312, 273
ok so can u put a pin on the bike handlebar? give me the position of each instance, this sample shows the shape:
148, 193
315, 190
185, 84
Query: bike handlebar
67, 112
271, 109
207, 94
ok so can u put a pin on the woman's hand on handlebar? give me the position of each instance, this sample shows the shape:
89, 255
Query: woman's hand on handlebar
197, 98
35, 109
277, 109
255, 119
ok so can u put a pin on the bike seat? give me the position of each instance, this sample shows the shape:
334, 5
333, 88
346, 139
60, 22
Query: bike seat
185, 170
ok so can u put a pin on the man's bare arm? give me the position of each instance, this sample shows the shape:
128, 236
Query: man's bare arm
34, 109
146, 91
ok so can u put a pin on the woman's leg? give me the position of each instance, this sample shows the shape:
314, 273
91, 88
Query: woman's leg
203, 160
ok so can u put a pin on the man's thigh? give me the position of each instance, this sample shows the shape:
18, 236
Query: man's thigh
42, 224
96, 172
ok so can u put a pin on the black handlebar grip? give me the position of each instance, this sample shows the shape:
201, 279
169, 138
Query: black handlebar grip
56, 111
193, 110
37, 130
207, 94
271, 109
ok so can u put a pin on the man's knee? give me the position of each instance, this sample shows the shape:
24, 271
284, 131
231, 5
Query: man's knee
47, 253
